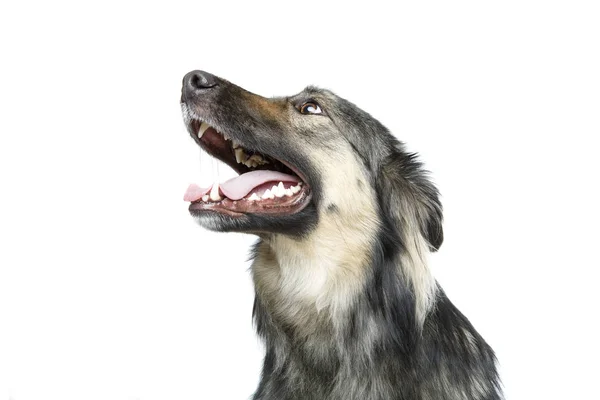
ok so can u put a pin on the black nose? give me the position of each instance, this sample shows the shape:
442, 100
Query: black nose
196, 81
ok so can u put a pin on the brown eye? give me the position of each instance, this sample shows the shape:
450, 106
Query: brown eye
311, 108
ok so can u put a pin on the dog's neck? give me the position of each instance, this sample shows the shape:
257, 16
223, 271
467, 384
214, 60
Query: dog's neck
313, 310
318, 276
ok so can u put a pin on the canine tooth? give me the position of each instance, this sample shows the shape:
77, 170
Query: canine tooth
214, 193
203, 127
254, 197
205, 197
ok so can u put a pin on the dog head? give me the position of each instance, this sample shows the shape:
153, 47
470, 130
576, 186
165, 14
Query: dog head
303, 160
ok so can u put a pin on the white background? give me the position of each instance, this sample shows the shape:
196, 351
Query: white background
108, 290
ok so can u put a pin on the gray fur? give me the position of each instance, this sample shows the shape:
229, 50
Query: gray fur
345, 302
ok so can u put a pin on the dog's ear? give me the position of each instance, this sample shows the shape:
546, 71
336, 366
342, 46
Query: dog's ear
408, 198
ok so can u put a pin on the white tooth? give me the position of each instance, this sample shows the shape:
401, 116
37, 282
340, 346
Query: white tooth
254, 197
205, 197
267, 194
235, 144
295, 189
274, 189
203, 127
214, 193
299, 183
240, 155
279, 190
288, 192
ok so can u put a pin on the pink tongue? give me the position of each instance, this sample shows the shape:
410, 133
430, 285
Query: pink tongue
238, 187
195, 192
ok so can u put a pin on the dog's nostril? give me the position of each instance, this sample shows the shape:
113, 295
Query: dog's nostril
201, 80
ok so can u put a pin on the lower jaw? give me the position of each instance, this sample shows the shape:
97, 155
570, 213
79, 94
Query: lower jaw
238, 208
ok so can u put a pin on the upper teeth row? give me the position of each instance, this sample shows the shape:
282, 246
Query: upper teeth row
241, 156
203, 127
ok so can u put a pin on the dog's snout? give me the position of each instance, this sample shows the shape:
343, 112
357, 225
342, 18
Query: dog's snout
198, 81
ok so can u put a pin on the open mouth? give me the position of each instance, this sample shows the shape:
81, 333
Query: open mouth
265, 185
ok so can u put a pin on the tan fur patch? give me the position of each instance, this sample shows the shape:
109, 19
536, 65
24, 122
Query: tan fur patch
323, 272
415, 264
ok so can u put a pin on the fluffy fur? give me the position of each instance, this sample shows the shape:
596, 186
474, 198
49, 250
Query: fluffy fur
345, 302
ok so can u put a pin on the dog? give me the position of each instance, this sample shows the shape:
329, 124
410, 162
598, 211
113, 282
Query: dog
345, 217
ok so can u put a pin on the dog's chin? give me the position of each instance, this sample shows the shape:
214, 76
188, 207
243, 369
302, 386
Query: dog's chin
298, 223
